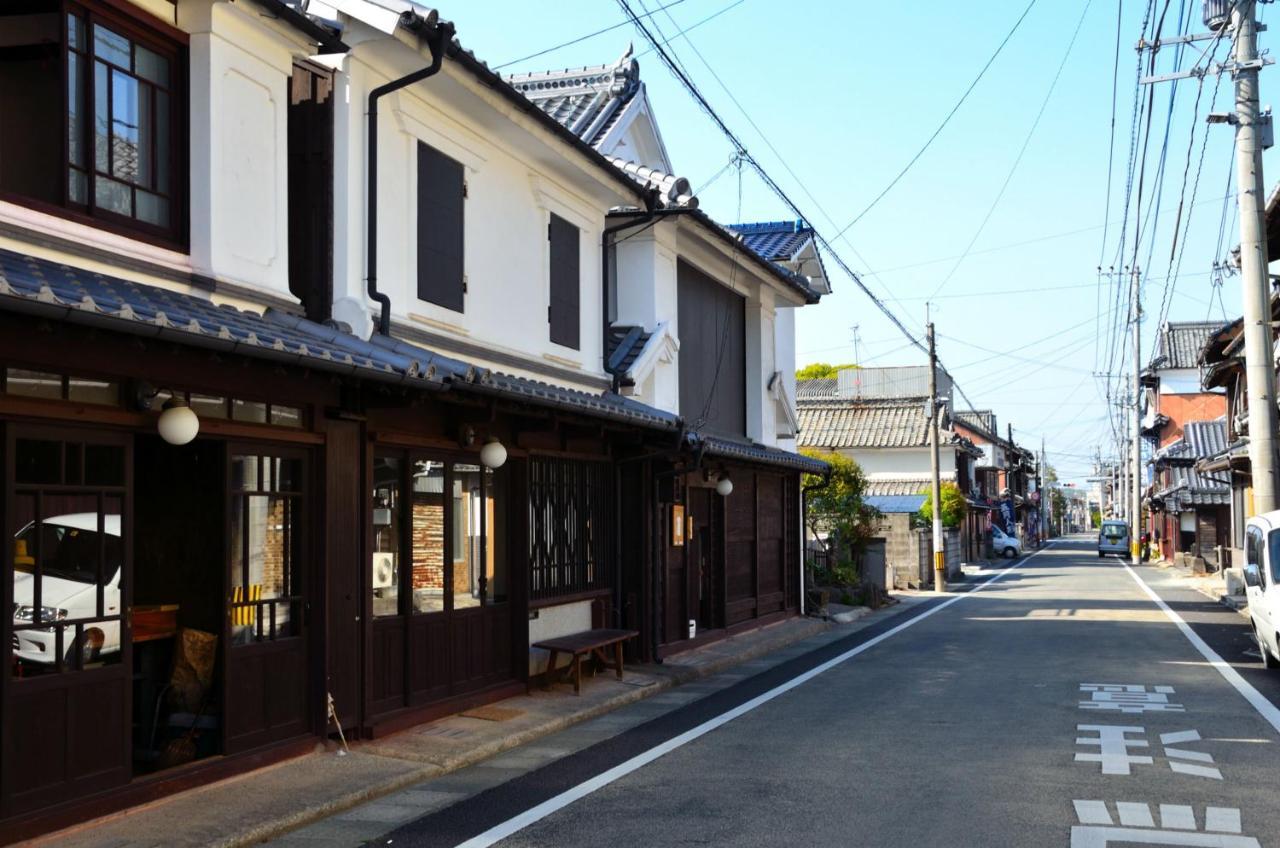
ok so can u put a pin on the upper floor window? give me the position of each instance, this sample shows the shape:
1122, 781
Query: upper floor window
566, 280
101, 102
442, 189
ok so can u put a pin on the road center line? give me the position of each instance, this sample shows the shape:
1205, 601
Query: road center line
535, 814
1264, 707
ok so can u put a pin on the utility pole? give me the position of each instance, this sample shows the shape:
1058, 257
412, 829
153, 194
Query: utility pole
939, 550
1251, 129
1046, 495
1135, 482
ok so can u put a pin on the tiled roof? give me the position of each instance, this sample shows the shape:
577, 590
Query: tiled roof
33, 285
625, 344
43, 287
895, 503
1187, 486
584, 100
1181, 342
896, 485
754, 452
673, 190
776, 240
822, 388
898, 423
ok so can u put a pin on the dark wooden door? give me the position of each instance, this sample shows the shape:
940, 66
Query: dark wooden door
268, 684
344, 556
67, 576
706, 581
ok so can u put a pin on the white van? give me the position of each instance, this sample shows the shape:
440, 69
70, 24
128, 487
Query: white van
1261, 576
69, 587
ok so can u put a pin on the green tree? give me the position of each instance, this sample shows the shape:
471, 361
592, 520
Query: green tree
837, 516
954, 505
820, 371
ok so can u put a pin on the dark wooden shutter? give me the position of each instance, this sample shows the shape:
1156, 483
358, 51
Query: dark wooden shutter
713, 354
566, 280
310, 128
441, 191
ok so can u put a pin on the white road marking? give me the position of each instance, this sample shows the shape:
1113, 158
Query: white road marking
536, 813
1094, 812
1179, 754
1196, 771
1134, 815
1128, 698
1222, 819
1177, 817
1265, 708
1180, 736
1177, 826
1113, 747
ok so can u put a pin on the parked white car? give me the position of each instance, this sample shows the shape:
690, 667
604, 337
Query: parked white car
1261, 576
1005, 545
68, 587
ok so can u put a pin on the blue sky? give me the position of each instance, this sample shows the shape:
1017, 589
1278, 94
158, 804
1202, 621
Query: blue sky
847, 92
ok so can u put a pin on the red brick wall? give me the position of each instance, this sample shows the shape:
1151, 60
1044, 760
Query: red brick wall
428, 542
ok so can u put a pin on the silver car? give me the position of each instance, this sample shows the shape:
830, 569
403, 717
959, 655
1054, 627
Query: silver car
1113, 538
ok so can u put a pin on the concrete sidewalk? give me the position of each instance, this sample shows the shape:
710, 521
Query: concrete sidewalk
268, 802
1210, 585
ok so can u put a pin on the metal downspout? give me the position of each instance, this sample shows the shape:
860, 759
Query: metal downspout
441, 32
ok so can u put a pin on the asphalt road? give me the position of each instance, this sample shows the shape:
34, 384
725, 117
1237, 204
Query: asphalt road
959, 723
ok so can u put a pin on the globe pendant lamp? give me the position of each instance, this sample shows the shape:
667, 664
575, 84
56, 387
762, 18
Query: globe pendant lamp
493, 454
178, 423
724, 486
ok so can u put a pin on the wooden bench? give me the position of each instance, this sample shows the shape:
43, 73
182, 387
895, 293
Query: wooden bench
588, 643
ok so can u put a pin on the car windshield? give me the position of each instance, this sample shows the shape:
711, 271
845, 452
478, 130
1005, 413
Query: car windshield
1115, 531
70, 553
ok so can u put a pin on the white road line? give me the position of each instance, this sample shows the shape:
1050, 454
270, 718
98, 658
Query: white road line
1133, 815
535, 814
1265, 708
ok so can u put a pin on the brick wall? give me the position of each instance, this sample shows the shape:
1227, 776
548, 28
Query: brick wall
428, 542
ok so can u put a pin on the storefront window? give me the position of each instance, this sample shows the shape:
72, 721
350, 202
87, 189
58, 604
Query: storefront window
68, 556
265, 597
468, 536
428, 536
495, 487
384, 573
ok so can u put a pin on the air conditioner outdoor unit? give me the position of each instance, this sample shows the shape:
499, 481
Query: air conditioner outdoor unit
384, 570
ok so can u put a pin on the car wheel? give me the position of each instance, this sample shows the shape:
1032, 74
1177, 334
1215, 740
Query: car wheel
89, 647
1010, 553
1101, 555
1268, 661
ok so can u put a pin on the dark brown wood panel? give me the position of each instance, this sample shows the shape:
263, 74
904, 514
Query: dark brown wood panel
387, 676
712, 353
344, 547
311, 189
266, 694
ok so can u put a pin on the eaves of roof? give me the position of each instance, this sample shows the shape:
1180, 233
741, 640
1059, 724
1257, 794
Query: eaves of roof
758, 453
717, 230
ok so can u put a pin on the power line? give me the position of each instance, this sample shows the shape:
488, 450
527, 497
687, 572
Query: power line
942, 125
1111, 146
691, 27
589, 35
1021, 152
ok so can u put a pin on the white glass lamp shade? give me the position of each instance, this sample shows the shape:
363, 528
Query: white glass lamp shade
493, 454
178, 423
724, 486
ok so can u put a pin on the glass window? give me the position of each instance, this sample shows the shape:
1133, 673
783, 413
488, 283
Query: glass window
1273, 544
495, 488
66, 581
38, 384
467, 581
37, 461
427, 535
388, 539
251, 411
265, 535
91, 390
286, 416
208, 406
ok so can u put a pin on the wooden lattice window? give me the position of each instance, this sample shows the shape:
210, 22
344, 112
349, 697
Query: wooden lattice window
571, 527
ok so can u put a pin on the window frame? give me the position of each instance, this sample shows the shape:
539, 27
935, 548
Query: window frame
164, 40
491, 484
455, 300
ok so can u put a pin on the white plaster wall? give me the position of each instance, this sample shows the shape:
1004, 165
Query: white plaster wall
646, 292
239, 76
901, 460
510, 197
552, 622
